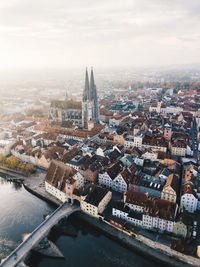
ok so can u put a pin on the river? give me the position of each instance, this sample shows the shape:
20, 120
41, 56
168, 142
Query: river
21, 212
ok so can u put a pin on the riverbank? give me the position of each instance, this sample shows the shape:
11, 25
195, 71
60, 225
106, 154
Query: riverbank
136, 245
143, 247
35, 185
12, 172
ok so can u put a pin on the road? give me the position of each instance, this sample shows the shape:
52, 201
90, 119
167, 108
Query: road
37, 235
193, 138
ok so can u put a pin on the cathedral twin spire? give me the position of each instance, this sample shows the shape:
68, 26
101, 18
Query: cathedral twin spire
90, 99
90, 88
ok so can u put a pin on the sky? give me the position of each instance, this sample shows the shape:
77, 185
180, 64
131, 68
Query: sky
112, 33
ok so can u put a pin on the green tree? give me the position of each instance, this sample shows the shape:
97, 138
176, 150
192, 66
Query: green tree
12, 162
21, 166
2, 158
29, 167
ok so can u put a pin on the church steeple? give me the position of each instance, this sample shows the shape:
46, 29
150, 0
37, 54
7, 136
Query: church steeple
92, 86
87, 87
90, 100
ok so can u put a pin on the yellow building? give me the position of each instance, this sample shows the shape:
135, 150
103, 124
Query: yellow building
180, 229
170, 188
178, 148
95, 201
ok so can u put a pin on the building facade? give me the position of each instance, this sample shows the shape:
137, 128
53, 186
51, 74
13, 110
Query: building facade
61, 111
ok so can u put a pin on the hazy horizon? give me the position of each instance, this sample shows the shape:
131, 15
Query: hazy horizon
70, 34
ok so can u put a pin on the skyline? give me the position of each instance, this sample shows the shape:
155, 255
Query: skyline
64, 34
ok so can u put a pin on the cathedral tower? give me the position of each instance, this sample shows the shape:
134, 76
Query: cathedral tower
90, 109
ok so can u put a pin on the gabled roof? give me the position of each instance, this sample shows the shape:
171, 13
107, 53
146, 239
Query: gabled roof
189, 189
114, 169
135, 198
58, 173
172, 181
95, 195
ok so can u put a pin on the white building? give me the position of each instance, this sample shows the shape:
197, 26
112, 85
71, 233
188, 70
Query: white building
119, 184
150, 155
115, 178
123, 212
173, 109
129, 141
57, 177
189, 198
138, 140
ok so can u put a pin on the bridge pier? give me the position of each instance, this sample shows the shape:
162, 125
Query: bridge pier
22, 264
18, 255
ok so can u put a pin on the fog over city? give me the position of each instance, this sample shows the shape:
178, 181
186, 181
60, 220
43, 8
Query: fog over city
99, 116
115, 33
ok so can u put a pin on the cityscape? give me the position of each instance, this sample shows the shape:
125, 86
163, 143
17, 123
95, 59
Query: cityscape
99, 134
126, 160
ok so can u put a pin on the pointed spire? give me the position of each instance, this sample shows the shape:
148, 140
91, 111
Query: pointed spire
92, 86
86, 89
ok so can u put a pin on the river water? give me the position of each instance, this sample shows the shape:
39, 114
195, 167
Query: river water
21, 212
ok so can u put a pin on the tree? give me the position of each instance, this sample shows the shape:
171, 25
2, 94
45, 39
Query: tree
21, 166
12, 162
29, 167
2, 158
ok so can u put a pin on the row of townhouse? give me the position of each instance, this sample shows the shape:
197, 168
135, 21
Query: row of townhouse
117, 178
156, 143
141, 141
153, 214
160, 107
40, 157
153, 186
165, 185
176, 147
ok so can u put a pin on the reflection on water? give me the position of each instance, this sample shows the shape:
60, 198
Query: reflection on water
21, 212
17, 186
89, 249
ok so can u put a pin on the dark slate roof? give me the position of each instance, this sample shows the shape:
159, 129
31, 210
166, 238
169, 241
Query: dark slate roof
95, 195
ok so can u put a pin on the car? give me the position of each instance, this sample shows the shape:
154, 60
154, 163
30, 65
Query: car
194, 228
194, 234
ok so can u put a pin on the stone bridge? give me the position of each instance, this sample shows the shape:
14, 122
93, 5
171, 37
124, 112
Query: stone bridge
17, 256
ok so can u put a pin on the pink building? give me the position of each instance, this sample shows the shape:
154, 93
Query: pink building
168, 133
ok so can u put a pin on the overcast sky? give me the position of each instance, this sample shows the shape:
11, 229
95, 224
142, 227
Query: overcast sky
65, 33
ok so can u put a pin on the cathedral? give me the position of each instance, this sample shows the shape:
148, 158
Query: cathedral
77, 112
